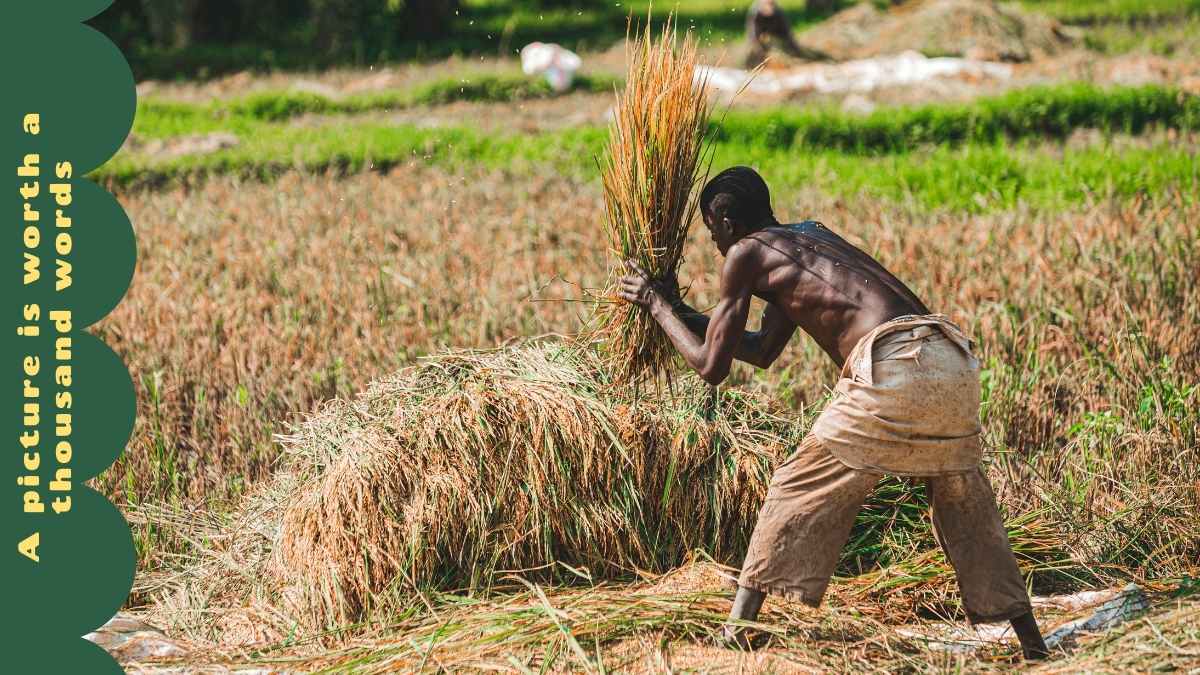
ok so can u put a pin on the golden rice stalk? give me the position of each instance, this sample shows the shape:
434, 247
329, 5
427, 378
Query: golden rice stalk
656, 144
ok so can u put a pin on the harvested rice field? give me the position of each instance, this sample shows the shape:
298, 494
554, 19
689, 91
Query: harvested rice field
1090, 392
378, 430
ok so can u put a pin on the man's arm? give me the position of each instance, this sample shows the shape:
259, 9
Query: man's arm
760, 347
710, 345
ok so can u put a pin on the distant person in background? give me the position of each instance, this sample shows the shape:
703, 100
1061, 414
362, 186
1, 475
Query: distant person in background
766, 24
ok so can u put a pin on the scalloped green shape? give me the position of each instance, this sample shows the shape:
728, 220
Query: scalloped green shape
103, 252
69, 401
72, 656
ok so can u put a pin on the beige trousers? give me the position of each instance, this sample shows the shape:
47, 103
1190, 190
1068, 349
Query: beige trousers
907, 402
812, 503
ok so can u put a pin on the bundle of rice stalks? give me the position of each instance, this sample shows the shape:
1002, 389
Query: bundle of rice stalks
475, 464
654, 159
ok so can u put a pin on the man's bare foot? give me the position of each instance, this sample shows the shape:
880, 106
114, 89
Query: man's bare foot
746, 605
1032, 644
733, 637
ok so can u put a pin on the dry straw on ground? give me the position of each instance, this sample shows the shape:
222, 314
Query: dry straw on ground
524, 460
450, 474
654, 160
664, 625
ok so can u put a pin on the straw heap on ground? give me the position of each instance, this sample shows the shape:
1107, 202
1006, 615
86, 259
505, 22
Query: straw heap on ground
473, 466
654, 159
449, 474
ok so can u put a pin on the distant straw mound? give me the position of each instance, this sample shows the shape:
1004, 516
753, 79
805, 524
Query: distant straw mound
445, 475
977, 29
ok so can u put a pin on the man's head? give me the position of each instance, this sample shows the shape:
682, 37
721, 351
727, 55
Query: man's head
735, 203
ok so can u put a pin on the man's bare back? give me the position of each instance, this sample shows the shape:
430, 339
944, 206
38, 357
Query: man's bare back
829, 288
811, 279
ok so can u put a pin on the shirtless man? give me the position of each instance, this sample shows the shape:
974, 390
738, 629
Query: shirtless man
907, 403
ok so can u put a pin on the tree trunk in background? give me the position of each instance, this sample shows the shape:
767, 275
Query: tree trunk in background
216, 21
182, 23
170, 21
427, 18
823, 6
341, 23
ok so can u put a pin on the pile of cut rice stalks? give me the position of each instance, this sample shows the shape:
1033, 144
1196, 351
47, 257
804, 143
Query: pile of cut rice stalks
478, 463
473, 468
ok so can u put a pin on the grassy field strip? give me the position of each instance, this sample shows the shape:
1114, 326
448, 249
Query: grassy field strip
1038, 111
972, 177
1175, 39
274, 106
954, 156
1113, 11
983, 178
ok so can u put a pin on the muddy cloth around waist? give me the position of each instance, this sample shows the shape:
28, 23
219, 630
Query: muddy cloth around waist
907, 402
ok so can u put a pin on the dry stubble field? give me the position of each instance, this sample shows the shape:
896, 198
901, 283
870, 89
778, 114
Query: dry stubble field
254, 302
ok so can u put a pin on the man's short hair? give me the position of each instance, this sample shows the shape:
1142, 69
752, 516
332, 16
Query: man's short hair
739, 194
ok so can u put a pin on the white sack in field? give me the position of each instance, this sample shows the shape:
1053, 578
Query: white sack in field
555, 62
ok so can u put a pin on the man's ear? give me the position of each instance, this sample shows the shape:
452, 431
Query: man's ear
729, 227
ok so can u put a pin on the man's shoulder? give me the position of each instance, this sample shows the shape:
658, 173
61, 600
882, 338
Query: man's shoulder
776, 238
762, 250
753, 245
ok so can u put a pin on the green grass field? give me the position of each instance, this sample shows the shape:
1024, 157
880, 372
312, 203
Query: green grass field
987, 155
1048, 112
1114, 11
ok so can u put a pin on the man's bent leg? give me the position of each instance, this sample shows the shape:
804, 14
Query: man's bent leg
746, 604
802, 527
967, 524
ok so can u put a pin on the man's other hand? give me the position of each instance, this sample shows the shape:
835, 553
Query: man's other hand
638, 288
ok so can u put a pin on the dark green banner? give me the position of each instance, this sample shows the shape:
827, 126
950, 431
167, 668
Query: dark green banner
68, 403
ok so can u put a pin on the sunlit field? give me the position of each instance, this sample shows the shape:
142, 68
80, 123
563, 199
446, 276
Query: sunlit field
374, 435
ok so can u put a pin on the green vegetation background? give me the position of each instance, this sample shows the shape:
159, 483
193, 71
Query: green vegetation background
185, 39
980, 156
